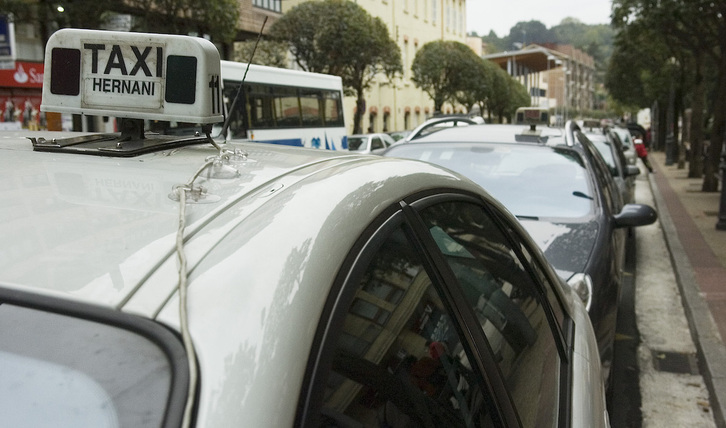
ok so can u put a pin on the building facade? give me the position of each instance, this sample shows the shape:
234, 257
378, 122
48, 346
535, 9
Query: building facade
558, 77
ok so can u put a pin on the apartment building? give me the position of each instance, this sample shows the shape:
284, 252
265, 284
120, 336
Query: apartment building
558, 77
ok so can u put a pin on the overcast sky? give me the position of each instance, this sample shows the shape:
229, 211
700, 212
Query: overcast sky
483, 16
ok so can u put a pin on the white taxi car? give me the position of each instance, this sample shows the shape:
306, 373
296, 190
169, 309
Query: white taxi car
149, 281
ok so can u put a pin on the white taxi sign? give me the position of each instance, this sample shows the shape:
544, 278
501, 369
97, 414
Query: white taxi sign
132, 75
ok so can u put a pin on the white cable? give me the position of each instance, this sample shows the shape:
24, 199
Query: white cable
181, 192
184, 319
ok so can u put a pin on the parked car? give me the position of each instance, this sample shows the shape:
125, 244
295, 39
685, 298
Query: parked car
612, 153
399, 135
439, 122
557, 184
626, 141
171, 281
369, 143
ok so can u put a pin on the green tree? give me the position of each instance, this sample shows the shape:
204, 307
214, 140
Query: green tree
445, 70
217, 18
267, 52
506, 96
694, 32
339, 37
478, 90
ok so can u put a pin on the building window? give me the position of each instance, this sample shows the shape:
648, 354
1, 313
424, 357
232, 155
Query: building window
274, 5
433, 11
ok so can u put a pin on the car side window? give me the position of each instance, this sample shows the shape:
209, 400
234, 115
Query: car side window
399, 360
602, 173
376, 143
508, 304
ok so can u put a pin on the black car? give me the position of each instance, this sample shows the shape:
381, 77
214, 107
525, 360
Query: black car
557, 184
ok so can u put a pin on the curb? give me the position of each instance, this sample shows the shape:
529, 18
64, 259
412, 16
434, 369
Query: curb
711, 349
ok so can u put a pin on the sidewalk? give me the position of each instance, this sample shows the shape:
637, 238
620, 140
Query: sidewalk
698, 255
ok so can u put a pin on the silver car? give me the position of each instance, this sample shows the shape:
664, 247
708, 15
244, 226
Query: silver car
626, 141
623, 173
369, 143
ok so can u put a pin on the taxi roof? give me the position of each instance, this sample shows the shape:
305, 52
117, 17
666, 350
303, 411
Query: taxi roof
97, 228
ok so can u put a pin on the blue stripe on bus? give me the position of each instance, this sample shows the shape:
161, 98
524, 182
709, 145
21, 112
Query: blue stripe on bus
314, 143
296, 142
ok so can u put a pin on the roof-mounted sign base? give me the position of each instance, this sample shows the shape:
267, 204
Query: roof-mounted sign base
131, 142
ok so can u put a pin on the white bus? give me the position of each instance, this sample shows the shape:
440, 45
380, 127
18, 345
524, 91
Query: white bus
283, 106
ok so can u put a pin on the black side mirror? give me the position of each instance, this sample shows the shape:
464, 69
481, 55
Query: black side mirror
634, 215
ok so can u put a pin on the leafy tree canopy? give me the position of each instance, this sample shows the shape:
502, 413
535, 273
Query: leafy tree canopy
443, 68
339, 37
267, 52
216, 18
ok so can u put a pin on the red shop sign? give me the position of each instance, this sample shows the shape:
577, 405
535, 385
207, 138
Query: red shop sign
25, 75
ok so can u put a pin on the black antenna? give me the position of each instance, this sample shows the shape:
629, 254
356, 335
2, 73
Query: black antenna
223, 133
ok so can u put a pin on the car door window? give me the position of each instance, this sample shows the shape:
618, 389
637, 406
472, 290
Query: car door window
399, 360
508, 303
602, 175
376, 143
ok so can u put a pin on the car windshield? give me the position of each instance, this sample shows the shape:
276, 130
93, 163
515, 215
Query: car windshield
531, 181
357, 143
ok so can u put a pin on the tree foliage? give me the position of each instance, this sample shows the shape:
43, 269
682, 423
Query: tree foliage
444, 69
506, 95
216, 18
339, 37
267, 52
451, 72
692, 33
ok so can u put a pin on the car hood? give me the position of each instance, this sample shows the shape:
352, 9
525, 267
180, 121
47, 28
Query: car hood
567, 245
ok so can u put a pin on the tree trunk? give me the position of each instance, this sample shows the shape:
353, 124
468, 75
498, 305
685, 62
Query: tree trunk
677, 134
660, 143
710, 170
695, 166
360, 109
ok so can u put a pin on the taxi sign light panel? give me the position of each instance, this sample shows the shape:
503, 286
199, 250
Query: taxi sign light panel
532, 115
132, 75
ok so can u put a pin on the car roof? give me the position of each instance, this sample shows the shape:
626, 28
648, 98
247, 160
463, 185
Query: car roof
492, 133
98, 229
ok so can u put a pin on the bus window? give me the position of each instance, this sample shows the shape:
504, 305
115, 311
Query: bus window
287, 107
310, 105
333, 108
261, 102
282, 106
237, 117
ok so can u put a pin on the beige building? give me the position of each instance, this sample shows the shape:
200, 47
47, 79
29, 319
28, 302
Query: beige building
398, 105
558, 77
